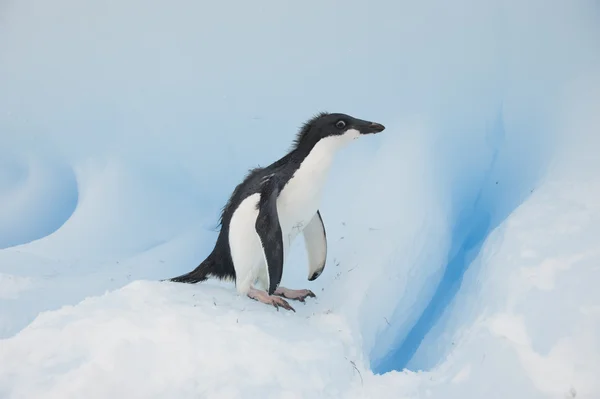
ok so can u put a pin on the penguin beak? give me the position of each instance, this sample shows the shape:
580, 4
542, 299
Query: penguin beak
371, 127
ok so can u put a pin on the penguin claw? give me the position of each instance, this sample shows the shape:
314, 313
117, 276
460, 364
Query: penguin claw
283, 303
276, 301
298, 295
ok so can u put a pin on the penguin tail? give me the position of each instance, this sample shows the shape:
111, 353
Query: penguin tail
199, 274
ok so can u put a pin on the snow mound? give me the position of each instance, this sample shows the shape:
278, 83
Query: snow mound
152, 340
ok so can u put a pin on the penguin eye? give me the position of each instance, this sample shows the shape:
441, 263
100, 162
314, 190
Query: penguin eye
340, 124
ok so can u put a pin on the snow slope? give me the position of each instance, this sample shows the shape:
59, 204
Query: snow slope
157, 340
463, 241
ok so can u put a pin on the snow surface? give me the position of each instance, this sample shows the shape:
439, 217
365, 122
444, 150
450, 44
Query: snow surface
463, 241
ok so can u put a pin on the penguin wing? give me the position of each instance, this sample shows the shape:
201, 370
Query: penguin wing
269, 231
315, 241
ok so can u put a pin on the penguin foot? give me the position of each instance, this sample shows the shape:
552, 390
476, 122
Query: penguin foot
298, 295
262, 296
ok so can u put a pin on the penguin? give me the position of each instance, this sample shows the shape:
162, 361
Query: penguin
272, 206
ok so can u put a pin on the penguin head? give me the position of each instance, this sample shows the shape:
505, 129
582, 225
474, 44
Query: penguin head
337, 127
342, 124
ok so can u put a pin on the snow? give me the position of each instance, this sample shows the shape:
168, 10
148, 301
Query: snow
463, 240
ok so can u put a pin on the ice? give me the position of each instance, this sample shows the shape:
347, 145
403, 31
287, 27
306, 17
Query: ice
463, 240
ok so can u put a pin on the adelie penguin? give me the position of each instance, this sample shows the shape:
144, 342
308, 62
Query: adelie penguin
272, 206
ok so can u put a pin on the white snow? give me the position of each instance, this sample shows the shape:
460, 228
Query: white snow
464, 247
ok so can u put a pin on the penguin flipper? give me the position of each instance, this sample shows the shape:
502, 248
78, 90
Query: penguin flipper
270, 234
315, 241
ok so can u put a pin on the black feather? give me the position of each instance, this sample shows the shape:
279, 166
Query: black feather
305, 129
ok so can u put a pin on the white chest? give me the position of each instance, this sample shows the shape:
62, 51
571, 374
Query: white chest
301, 196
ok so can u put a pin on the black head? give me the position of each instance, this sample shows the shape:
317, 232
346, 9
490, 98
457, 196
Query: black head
341, 126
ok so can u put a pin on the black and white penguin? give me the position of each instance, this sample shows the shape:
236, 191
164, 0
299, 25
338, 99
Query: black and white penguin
271, 206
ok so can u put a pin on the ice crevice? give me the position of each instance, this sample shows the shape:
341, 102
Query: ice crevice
479, 206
